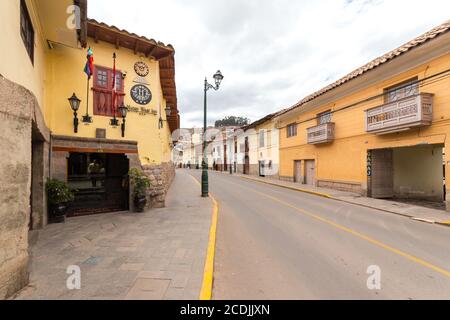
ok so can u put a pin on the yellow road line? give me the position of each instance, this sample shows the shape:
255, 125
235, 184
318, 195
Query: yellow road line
357, 234
208, 272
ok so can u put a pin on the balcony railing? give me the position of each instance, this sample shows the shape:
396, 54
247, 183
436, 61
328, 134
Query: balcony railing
401, 115
323, 133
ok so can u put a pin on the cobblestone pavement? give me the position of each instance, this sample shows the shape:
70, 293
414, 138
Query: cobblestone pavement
159, 254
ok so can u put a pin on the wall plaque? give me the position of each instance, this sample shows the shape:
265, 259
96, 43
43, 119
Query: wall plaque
141, 94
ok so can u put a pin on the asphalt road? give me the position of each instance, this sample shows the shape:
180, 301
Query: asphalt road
275, 243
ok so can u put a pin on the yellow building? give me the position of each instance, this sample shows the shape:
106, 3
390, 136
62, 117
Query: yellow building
44, 52
381, 130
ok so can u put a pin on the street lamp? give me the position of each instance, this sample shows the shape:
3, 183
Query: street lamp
75, 105
123, 112
218, 77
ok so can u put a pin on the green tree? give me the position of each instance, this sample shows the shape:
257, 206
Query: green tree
232, 121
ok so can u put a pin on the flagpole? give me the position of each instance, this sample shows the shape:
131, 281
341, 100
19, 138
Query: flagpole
87, 119
114, 121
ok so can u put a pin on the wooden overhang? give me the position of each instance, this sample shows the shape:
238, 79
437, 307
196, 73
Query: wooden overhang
164, 54
82, 32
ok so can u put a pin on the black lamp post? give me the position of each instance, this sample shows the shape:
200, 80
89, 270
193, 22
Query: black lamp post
218, 77
75, 105
123, 112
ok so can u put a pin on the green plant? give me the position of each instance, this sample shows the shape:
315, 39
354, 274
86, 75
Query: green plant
59, 192
140, 182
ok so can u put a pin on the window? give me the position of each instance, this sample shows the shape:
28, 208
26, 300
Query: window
402, 90
103, 83
26, 30
292, 130
261, 139
324, 117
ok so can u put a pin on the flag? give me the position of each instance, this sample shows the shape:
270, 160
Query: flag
89, 68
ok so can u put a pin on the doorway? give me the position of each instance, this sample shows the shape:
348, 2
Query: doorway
261, 168
101, 183
247, 165
412, 174
310, 172
298, 177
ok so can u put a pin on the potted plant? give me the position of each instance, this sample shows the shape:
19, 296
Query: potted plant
140, 183
59, 194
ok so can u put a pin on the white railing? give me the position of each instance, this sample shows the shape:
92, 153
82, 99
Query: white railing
323, 133
400, 115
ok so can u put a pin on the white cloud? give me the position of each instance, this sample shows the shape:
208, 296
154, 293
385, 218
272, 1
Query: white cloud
272, 53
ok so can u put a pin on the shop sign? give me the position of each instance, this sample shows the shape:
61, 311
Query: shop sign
141, 110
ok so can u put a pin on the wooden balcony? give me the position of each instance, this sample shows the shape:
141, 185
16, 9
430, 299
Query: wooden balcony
401, 115
323, 133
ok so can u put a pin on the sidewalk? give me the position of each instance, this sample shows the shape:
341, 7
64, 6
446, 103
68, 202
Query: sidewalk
159, 254
408, 210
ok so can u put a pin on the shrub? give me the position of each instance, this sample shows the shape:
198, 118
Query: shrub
140, 182
59, 192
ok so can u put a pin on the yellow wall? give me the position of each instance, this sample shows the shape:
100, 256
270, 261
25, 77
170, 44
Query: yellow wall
15, 64
65, 76
345, 158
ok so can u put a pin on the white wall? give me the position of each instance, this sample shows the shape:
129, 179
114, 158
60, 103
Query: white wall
418, 172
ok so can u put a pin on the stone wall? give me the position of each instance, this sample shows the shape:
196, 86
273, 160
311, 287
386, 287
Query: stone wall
19, 113
161, 177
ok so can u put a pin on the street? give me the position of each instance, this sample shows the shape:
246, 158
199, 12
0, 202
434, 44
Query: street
274, 243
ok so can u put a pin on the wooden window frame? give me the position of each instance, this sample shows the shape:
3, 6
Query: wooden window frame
106, 91
27, 32
321, 117
401, 90
262, 138
293, 132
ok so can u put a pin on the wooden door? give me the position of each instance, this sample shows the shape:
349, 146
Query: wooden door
247, 165
298, 176
382, 180
310, 172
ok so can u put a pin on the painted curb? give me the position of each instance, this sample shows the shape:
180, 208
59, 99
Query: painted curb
208, 271
208, 274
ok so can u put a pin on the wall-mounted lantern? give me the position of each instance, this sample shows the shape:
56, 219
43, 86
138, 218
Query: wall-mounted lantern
168, 111
75, 105
123, 112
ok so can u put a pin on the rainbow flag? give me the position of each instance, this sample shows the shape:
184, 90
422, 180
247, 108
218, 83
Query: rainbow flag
89, 68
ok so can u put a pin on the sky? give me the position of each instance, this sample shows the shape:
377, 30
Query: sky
271, 52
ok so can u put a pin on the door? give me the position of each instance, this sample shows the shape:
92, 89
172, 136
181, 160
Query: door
101, 183
298, 177
382, 179
310, 172
247, 165
261, 168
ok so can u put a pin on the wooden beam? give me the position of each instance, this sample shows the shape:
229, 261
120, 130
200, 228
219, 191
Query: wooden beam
151, 51
136, 46
93, 150
117, 43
